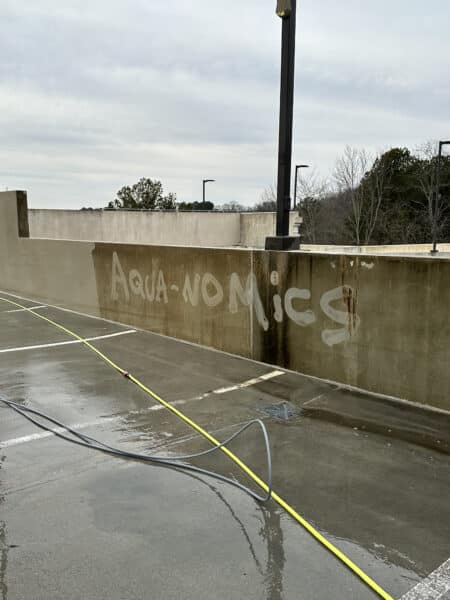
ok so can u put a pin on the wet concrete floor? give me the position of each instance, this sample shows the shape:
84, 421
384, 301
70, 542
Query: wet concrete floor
79, 524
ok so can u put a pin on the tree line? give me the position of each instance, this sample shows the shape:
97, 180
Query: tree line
148, 194
384, 199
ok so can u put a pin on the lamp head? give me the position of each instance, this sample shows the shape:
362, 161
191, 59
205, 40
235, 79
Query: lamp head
284, 8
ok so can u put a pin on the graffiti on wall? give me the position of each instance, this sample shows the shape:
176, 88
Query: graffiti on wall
205, 289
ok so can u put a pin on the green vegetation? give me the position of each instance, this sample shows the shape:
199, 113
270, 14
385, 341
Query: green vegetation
389, 199
146, 194
196, 206
386, 199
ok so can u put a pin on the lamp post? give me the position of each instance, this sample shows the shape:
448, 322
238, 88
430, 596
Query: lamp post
437, 194
205, 181
297, 167
286, 10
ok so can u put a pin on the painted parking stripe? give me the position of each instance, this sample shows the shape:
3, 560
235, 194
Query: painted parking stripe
249, 383
34, 437
56, 344
156, 407
17, 310
46, 434
434, 587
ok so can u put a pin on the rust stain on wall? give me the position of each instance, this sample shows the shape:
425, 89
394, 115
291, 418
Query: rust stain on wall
350, 299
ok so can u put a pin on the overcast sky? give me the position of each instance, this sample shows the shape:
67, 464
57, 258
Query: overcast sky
94, 95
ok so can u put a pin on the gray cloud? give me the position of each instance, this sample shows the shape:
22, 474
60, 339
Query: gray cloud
94, 96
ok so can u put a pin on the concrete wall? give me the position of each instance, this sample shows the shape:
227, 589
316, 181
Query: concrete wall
45, 269
137, 227
207, 229
379, 323
388, 249
255, 227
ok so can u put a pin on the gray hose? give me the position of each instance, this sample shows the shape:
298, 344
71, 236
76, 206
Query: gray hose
173, 462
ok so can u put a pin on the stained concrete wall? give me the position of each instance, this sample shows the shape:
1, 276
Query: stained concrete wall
207, 229
255, 227
55, 271
379, 323
137, 227
402, 249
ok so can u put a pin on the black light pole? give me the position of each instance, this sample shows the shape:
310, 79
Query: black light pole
205, 181
437, 194
286, 10
297, 167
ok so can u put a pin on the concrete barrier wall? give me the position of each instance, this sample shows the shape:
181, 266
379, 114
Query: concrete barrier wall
57, 271
379, 323
137, 227
389, 249
206, 229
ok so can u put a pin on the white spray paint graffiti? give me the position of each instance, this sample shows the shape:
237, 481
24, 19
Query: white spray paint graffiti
303, 318
250, 296
212, 290
367, 265
206, 287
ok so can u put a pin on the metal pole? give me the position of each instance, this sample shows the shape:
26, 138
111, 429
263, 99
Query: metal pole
297, 167
437, 196
205, 181
286, 120
436, 199
295, 186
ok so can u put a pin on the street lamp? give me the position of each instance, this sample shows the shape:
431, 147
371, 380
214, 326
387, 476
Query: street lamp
297, 167
286, 10
437, 194
205, 181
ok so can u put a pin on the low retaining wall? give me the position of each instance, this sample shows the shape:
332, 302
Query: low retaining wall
205, 229
408, 249
379, 323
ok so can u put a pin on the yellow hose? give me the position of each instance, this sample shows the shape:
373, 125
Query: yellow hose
287, 507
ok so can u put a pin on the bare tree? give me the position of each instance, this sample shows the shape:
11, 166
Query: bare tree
232, 206
374, 186
268, 202
312, 189
365, 189
426, 174
348, 173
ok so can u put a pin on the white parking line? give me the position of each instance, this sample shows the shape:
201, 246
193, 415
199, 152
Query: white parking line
46, 434
433, 587
34, 437
55, 344
248, 383
17, 310
156, 407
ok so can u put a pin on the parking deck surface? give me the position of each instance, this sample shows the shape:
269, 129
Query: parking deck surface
77, 524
